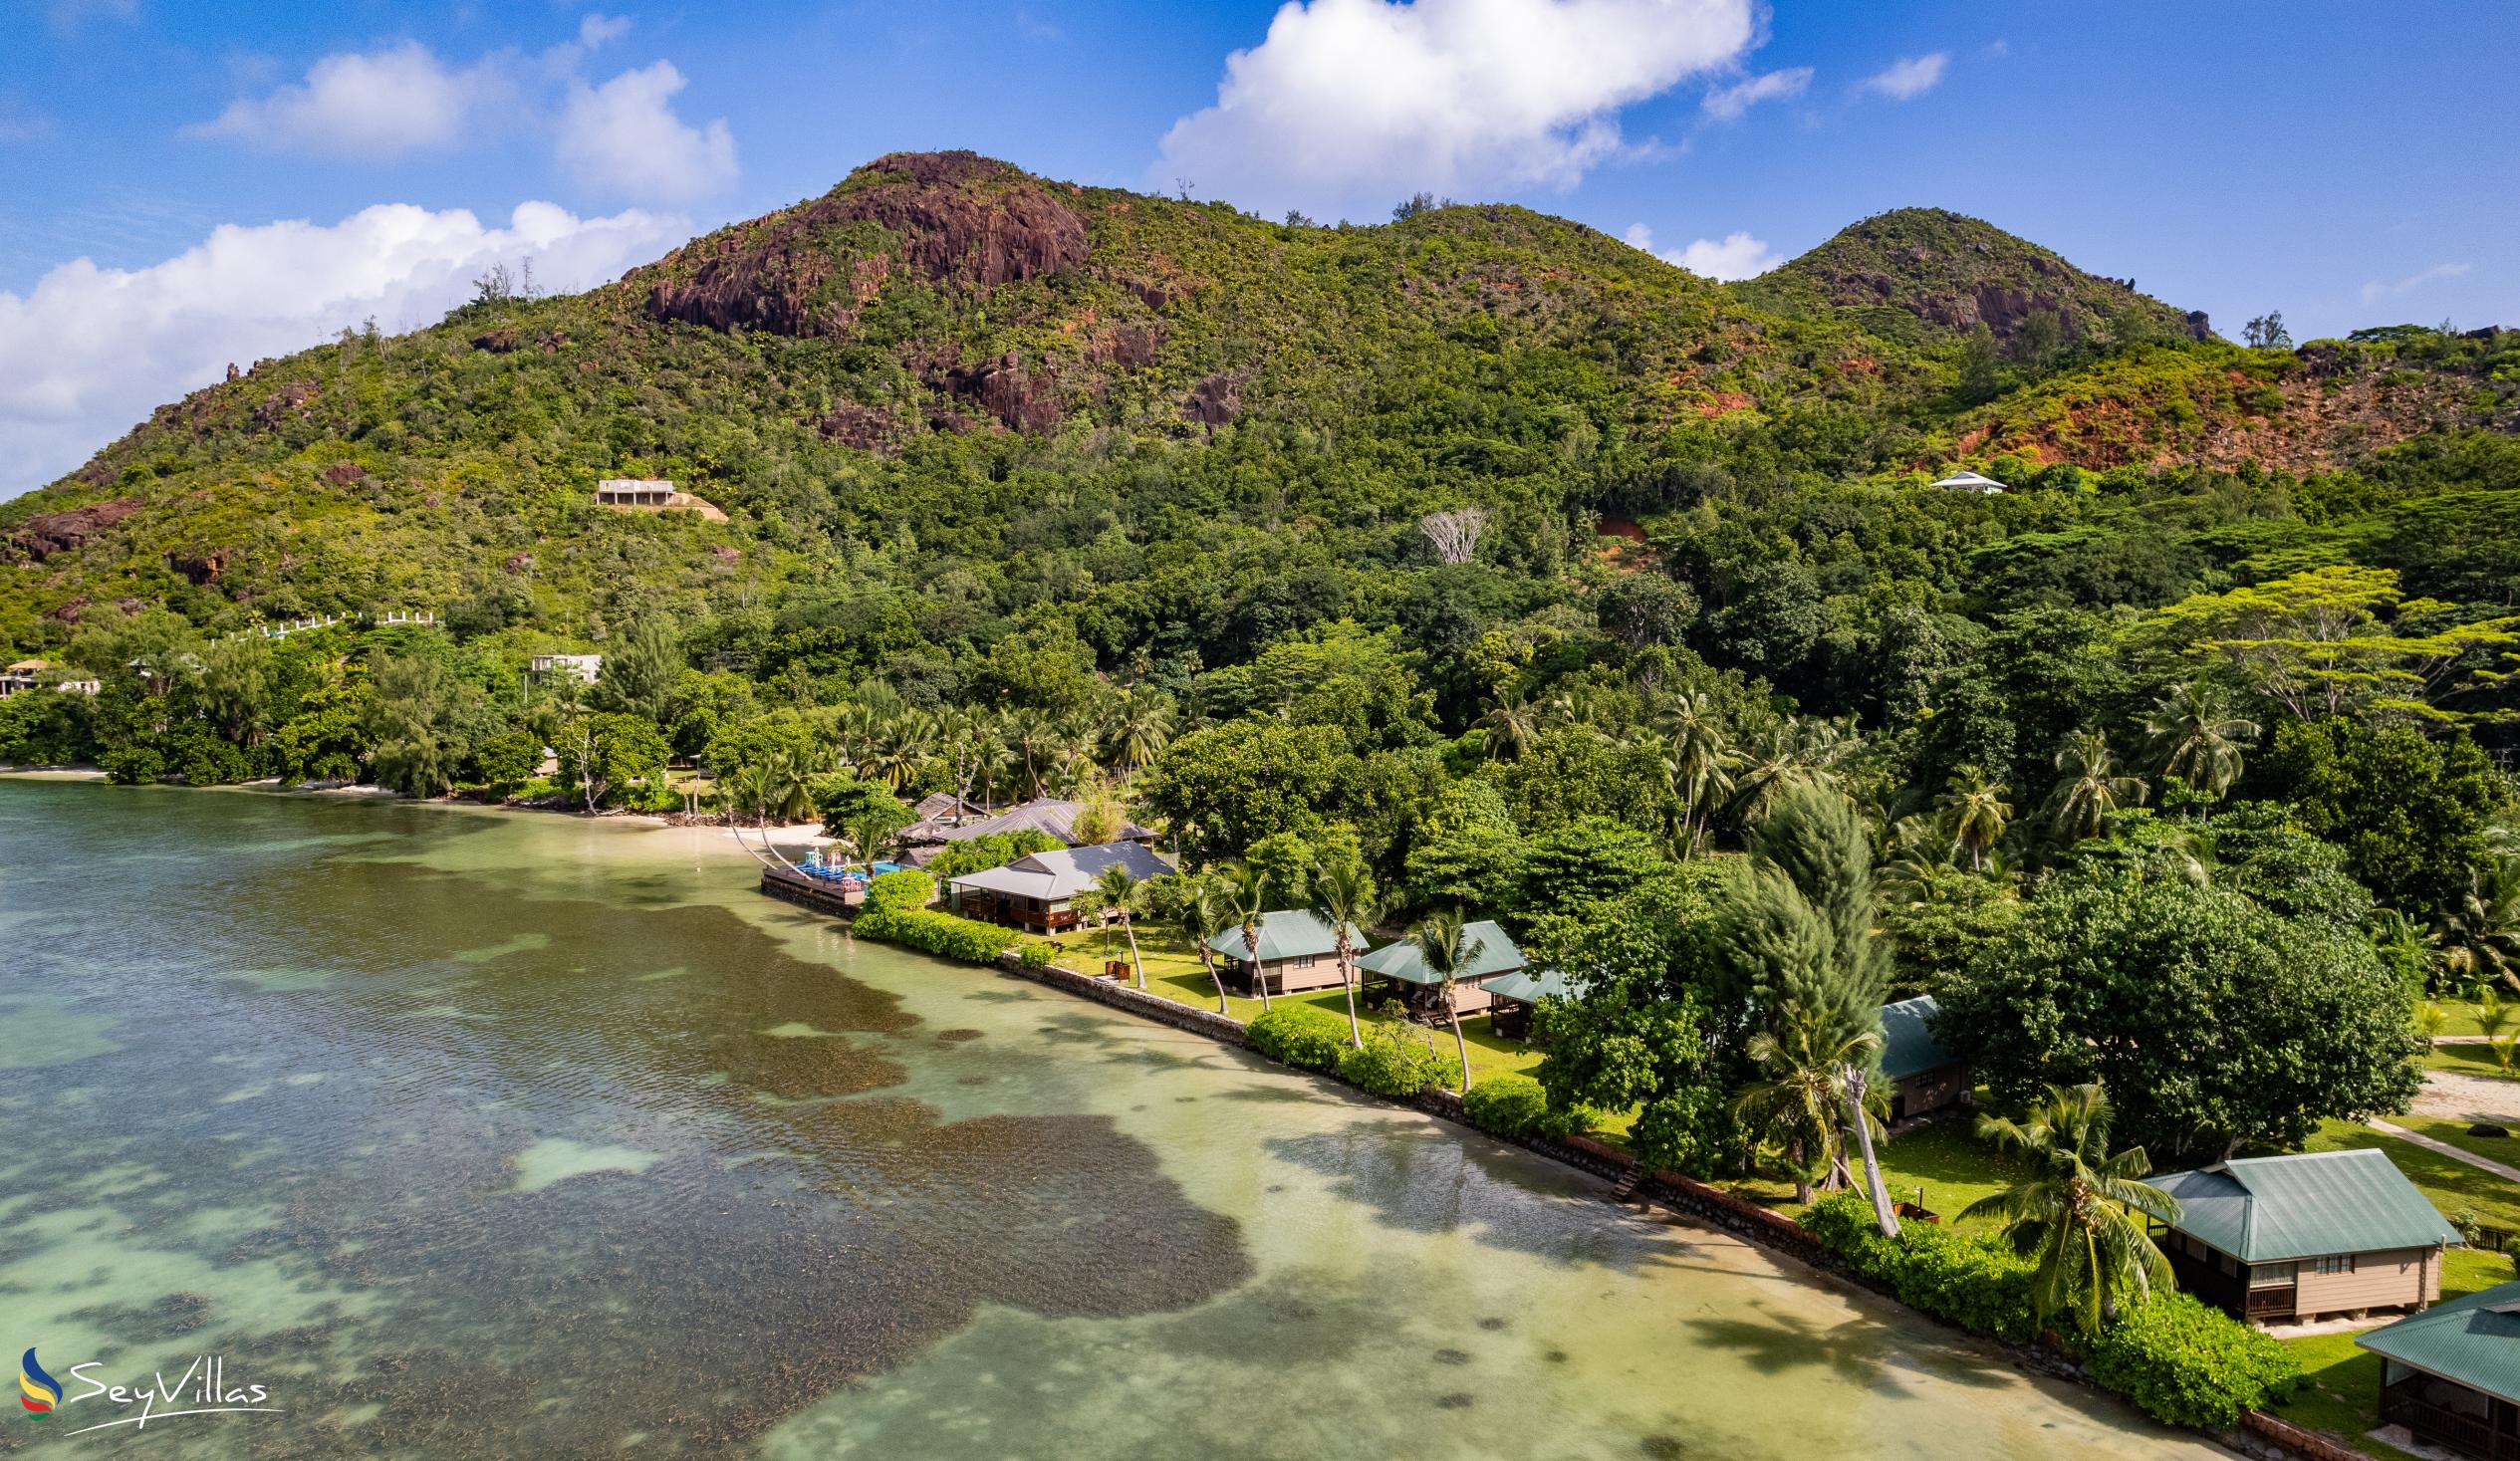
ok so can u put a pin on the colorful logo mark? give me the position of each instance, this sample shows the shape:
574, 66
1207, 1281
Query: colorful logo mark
38, 1391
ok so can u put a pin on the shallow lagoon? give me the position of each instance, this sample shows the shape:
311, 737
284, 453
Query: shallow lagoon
485, 1135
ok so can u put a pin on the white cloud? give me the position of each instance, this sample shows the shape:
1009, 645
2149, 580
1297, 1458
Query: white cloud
88, 351
1726, 103
1910, 78
1349, 101
2375, 291
1734, 256
374, 105
623, 139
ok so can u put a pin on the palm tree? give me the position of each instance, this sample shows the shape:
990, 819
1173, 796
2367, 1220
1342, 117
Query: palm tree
1510, 728
1345, 897
2492, 1013
1440, 947
788, 782
2196, 737
2480, 936
1700, 758
1200, 913
1798, 1102
2080, 1215
1246, 891
1141, 726
1978, 815
2092, 789
1116, 890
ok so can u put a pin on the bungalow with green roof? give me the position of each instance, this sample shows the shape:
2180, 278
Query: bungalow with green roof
1922, 1077
1403, 968
2274, 1239
1299, 950
1518, 994
2451, 1374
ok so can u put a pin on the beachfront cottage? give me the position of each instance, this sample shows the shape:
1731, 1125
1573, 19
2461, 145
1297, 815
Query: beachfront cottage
922, 840
1403, 969
2451, 1374
1517, 994
2274, 1239
1299, 950
1922, 1077
1038, 891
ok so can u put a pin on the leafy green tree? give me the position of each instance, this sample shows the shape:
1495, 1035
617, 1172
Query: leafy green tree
2223, 1022
1619, 1046
2411, 813
604, 753
2079, 1216
863, 814
1221, 789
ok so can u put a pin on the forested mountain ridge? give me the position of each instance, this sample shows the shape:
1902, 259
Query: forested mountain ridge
982, 370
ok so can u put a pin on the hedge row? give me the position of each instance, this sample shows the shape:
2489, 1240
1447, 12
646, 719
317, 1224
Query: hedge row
1300, 1035
2181, 1360
895, 912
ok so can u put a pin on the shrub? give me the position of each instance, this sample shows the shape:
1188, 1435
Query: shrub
1300, 1035
1038, 955
903, 890
942, 934
1390, 1067
2189, 1364
1975, 1282
1509, 1106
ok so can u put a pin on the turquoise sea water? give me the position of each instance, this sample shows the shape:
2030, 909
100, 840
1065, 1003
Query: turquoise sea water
470, 1135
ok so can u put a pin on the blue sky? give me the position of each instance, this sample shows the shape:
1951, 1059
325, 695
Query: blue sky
187, 184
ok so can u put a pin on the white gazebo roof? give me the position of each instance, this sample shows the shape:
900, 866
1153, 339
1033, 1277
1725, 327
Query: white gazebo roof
1971, 482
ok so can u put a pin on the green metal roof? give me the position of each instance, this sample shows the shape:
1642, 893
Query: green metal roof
2271, 1208
1289, 933
1530, 986
1908, 1046
1496, 956
2473, 1340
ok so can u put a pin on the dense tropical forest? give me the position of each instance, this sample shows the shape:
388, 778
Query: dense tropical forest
1468, 562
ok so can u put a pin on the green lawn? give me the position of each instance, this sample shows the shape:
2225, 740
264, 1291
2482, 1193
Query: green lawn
2504, 1149
1174, 972
2468, 1059
1944, 1157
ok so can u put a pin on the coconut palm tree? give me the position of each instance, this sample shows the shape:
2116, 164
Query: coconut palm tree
1979, 814
788, 782
2195, 736
1441, 947
2080, 1215
2093, 788
1246, 893
1116, 890
1510, 729
1345, 897
1801, 1101
1700, 759
2479, 936
1140, 727
1199, 910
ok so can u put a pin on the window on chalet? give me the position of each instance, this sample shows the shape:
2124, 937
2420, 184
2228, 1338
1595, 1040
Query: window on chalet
2341, 1262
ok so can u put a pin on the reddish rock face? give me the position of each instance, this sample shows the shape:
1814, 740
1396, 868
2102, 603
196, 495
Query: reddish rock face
200, 567
1216, 399
341, 474
46, 534
959, 218
863, 427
